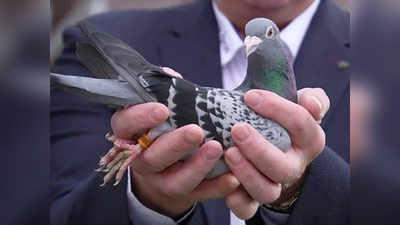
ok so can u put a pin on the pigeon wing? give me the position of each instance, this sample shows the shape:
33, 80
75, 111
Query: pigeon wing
128, 63
94, 61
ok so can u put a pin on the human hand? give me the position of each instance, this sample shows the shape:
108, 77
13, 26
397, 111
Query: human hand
160, 180
266, 173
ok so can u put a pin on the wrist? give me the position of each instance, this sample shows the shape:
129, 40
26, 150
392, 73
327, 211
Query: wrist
173, 207
289, 195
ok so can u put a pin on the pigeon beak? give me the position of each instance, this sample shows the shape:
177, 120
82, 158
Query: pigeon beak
251, 43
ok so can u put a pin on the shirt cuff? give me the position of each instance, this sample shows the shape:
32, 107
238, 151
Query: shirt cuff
140, 214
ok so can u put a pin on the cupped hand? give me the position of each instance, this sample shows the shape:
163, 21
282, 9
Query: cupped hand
266, 173
160, 179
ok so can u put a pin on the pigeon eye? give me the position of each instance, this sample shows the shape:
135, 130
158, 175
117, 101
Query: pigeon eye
270, 33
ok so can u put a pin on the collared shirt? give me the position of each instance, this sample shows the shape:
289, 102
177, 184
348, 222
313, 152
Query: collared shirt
234, 67
233, 51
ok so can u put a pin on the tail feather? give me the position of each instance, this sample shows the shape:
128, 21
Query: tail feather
115, 93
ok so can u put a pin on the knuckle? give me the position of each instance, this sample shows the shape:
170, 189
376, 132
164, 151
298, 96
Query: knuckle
301, 120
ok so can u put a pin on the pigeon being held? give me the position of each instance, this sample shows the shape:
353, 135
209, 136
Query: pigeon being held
124, 78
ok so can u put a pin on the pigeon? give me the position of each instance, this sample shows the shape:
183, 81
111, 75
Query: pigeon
123, 77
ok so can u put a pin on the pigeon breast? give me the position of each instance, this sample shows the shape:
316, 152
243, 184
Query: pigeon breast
226, 108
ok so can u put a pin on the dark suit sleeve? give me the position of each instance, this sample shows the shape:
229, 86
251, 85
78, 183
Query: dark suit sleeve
325, 195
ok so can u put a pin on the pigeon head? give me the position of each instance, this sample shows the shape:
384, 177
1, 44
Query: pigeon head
269, 60
259, 30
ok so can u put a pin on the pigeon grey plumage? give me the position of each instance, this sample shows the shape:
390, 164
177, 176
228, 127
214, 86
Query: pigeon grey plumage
125, 78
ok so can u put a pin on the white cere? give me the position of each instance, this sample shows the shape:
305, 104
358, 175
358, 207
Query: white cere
251, 43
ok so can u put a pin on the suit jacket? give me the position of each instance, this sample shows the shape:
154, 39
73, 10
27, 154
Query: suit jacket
186, 39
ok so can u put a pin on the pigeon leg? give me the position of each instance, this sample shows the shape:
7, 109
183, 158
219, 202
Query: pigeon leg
110, 174
119, 164
138, 149
124, 152
119, 145
118, 158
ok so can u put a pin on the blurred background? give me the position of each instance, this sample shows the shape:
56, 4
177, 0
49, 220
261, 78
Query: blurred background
25, 57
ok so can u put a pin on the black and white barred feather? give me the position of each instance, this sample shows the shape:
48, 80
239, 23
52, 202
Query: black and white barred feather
215, 110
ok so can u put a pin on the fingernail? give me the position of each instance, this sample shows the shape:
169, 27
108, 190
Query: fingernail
253, 98
158, 114
234, 182
233, 155
191, 136
241, 132
213, 153
318, 102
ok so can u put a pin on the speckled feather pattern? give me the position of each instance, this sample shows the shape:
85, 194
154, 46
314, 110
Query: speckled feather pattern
215, 110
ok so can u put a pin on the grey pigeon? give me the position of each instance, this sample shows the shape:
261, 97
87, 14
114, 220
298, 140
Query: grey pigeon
124, 78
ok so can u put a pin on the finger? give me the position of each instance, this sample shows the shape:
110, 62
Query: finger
241, 204
257, 185
315, 101
171, 72
127, 122
217, 187
278, 166
304, 131
185, 178
169, 148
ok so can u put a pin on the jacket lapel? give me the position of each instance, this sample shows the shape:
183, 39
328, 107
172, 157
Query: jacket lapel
191, 45
323, 59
